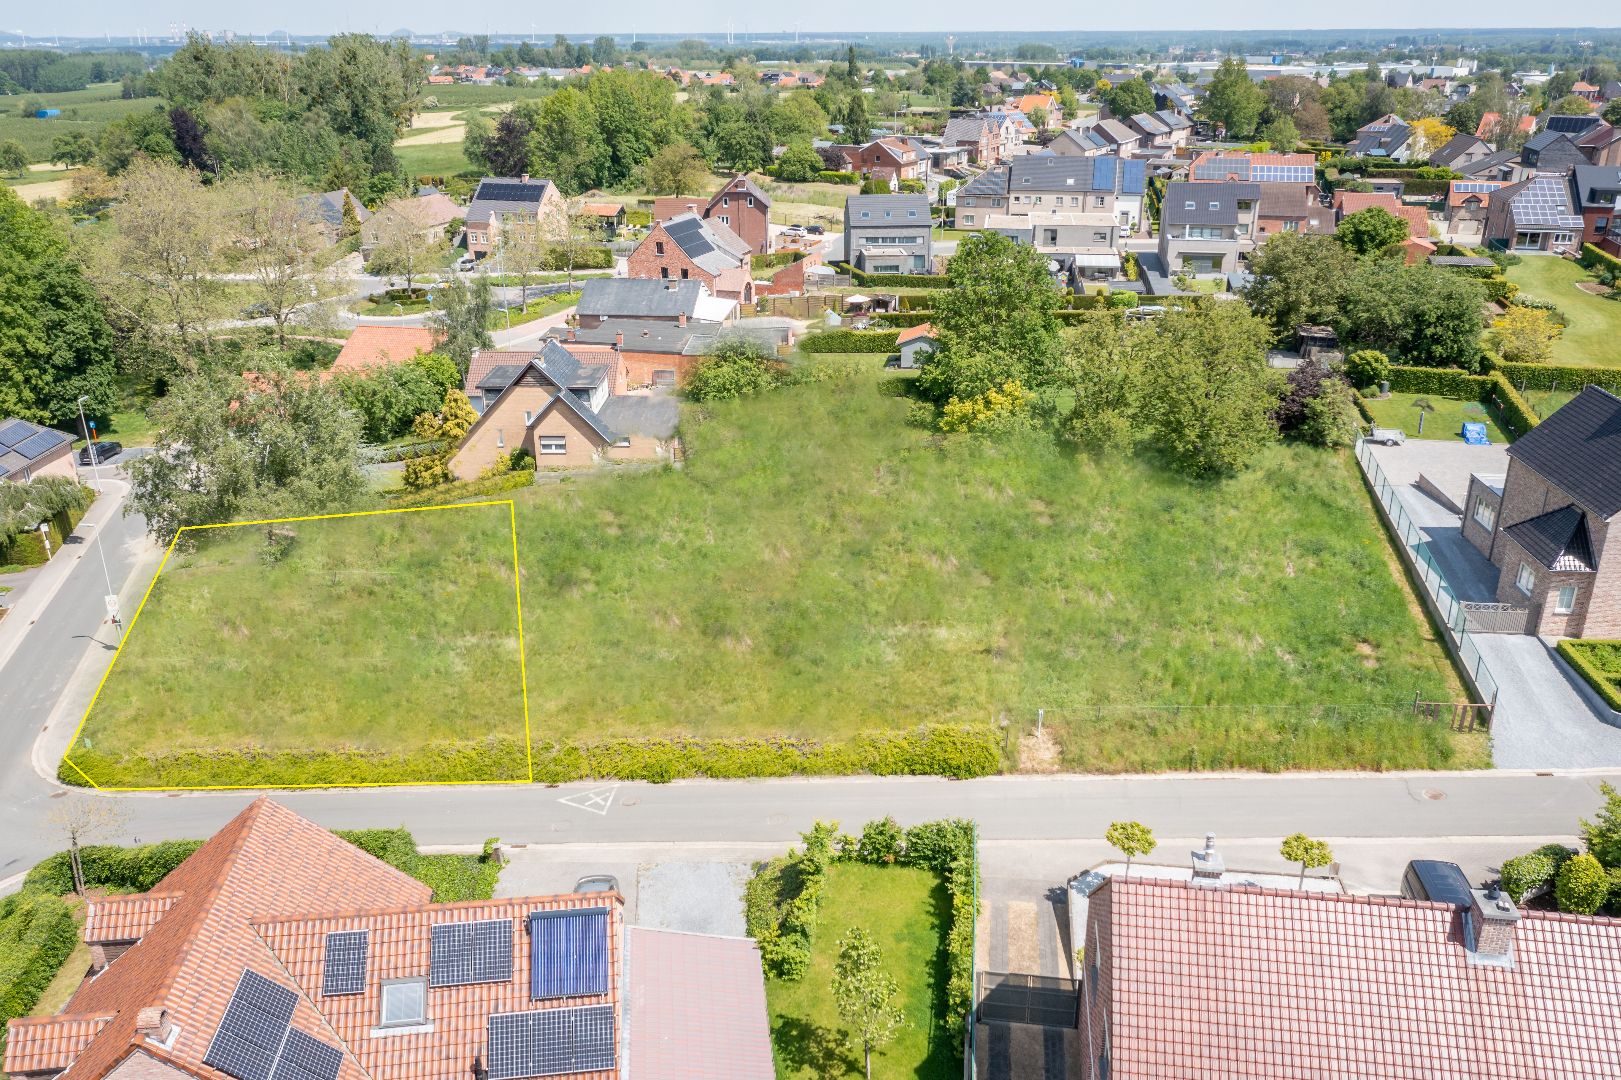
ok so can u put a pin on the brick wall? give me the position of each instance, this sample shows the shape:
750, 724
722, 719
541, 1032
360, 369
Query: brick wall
1527, 494
640, 366
581, 443
500, 430
659, 257
143, 1066
1473, 532
752, 224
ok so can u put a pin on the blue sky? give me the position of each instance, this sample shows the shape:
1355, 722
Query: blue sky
119, 17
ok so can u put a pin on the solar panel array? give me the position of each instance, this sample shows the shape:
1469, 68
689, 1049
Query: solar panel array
1545, 201
551, 1041
1221, 168
470, 952
1282, 174
508, 192
29, 440
15, 431
344, 969
304, 1058
568, 953
1464, 186
253, 1028
689, 236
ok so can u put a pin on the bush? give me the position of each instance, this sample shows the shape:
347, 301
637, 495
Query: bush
849, 341
1594, 259
736, 367
1514, 411
1122, 300
463, 490
1599, 662
1556, 377
453, 878
1525, 874
37, 933
881, 841
784, 897
1581, 886
111, 869
830, 176
591, 258
1367, 367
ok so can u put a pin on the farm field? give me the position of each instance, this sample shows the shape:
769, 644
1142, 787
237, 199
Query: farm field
1593, 336
88, 110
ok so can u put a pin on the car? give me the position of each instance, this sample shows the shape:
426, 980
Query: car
1432, 879
794, 230
815, 230
597, 883
106, 450
466, 262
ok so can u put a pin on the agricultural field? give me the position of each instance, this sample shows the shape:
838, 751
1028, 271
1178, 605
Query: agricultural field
1592, 337
88, 110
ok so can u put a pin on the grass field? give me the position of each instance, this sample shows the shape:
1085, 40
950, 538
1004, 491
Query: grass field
1446, 422
88, 110
433, 159
906, 911
390, 639
1593, 336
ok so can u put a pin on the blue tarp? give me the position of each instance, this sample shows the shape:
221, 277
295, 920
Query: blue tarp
1474, 433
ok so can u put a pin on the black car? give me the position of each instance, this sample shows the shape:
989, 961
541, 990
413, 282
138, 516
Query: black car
1432, 879
106, 450
815, 230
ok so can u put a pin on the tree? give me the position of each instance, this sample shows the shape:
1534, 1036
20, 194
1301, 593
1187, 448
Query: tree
675, 170
1132, 96
449, 426
1612, 112
736, 366
1103, 367
857, 128
278, 444
567, 142
390, 397
865, 994
13, 158
1581, 885
54, 341
475, 136
1429, 135
1298, 278
799, 163
1309, 853
852, 70
1465, 115
1038, 118
525, 249
1602, 835
569, 234
80, 819
507, 149
1232, 100
741, 146
1374, 231
1209, 394
1421, 314
1131, 839
797, 116
1367, 367
400, 243
1571, 105
279, 236
1524, 335
637, 114
995, 321
1280, 134
461, 315
73, 148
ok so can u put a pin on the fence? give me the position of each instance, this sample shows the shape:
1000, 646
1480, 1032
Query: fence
970, 1056
1449, 611
808, 306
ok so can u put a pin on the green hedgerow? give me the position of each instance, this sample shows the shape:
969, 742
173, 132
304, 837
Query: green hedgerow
1582, 885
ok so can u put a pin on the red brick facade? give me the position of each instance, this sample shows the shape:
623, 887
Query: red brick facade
743, 208
660, 257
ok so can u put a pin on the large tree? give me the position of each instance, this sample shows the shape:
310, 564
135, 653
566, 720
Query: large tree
1209, 392
1374, 231
1232, 99
54, 343
676, 169
1421, 314
278, 237
461, 315
566, 143
1129, 97
638, 116
1298, 278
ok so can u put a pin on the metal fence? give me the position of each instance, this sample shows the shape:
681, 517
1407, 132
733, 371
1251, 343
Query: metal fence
1450, 611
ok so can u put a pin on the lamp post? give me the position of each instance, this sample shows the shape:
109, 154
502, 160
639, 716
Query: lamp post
111, 597
95, 458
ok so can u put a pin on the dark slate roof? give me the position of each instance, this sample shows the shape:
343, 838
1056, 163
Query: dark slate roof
898, 207
1557, 539
328, 206
990, 182
710, 244
1380, 138
641, 335
1456, 147
645, 298
553, 361
23, 443
1151, 123
654, 415
1578, 449
1490, 163
1543, 139
1591, 180
506, 195
1057, 173
1224, 194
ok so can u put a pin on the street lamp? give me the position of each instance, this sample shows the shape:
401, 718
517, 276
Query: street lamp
95, 458
111, 597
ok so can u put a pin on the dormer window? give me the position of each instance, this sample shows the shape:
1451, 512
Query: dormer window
1215, 206
1190, 206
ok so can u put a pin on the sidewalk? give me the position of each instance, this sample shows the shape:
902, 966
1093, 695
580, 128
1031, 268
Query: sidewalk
530, 332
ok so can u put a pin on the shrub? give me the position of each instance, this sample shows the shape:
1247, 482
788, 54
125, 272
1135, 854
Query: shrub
850, 341
1123, 300
831, 176
37, 933
736, 367
881, 841
1442, 382
453, 878
1594, 259
1367, 367
111, 869
1581, 886
996, 411
1602, 835
781, 902
1525, 874
463, 490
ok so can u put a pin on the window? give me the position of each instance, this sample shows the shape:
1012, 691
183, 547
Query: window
1485, 514
1215, 205
968, 200
1243, 204
405, 1001
726, 200
683, 273
1100, 238
554, 444
1291, 226
1100, 202
751, 200
866, 213
658, 247
1526, 579
1190, 205
726, 219
528, 418
1600, 224
664, 271
911, 213
500, 439
1565, 600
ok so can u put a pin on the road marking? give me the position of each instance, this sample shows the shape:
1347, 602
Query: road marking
596, 801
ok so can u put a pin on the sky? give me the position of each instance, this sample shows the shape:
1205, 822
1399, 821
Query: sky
93, 18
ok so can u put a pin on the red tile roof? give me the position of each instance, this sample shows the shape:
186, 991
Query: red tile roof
921, 330
49, 1043
377, 346
1488, 121
669, 206
1248, 982
697, 1007
125, 918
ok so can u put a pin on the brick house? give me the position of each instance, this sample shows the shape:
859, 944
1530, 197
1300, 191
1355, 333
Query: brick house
1465, 215
690, 248
1545, 523
744, 209
503, 199
1165, 132
890, 158
1204, 227
1537, 214
1207, 980
28, 450
677, 302
1597, 188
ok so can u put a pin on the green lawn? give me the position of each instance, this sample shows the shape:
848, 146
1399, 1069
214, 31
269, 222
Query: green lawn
1547, 402
388, 636
434, 159
539, 307
1446, 422
1593, 336
907, 912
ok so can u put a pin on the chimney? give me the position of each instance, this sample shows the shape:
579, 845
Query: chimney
1208, 866
681, 318
153, 1022
619, 339
524, 179
1492, 916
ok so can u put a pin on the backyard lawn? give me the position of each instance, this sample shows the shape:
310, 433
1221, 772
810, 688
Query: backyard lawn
1593, 336
906, 911
1445, 422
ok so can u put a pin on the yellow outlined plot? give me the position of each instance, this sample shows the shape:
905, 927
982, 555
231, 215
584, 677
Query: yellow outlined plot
527, 769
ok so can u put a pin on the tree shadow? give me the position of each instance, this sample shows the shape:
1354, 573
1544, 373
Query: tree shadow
805, 1046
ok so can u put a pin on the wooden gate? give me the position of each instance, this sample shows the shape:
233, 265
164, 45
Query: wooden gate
1459, 715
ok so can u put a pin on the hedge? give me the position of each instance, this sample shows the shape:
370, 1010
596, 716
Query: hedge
112, 869
591, 258
28, 549
1558, 377
1595, 259
453, 878
894, 281
1599, 662
834, 176
849, 341
37, 934
906, 318
1514, 412
1532, 871
462, 490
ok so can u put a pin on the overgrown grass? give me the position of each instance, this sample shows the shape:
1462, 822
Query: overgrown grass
1592, 337
907, 912
1446, 422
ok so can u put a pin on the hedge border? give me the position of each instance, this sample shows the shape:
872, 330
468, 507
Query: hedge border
1515, 413
897, 281
40, 932
850, 341
1608, 686
1593, 257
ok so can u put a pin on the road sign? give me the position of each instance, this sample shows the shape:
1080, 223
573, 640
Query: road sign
111, 600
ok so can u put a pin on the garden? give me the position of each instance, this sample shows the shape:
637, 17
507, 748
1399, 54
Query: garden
1592, 333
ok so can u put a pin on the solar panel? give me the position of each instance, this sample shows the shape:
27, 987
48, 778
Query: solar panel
470, 952
304, 1058
551, 1041
508, 192
344, 969
15, 431
1472, 185
568, 953
253, 1027
689, 237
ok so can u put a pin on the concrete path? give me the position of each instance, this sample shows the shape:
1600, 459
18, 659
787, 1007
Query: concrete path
1542, 721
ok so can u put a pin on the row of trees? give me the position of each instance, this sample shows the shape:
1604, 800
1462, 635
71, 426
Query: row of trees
1133, 839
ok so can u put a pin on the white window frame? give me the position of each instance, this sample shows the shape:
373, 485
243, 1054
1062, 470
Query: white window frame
1562, 605
421, 1013
552, 444
1485, 514
1525, 579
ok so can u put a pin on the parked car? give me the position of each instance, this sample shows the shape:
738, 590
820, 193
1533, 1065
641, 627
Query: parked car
466, 262
815, 230
794, 230
597, 883
1432, 879
105, 450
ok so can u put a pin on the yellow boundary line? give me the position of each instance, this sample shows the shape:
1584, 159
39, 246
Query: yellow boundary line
523, 670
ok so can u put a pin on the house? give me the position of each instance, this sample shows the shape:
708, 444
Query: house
891, 158
690, 247
500, 201
1500, 165
1418, 245
1203, 227
916, 342
1461, 149
1091, 240
1175, 97
1204, 979
278, 950
1551, 151
565, 405
1545, 523
889, 234
371, 346
651, 299
426, 215
1244, 166
1588, 91
1387, 137
989, 137
1047, 103
28, 450
657, 354
1596, 189
743, 209
1292, 208
1534, 215
328, 208
1105, 184
1573, 125
1491, 121
1600, 144
1464, 217
1114, 136
982, 196
1165, 131
1080, 142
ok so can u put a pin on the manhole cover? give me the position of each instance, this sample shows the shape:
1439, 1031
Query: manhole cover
1433, 795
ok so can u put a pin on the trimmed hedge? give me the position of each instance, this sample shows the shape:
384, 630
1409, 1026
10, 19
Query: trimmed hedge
462, 490
1514, 412
850, 341
894, 281
906, 318
1532, 871
1599, 662
109, 868
28, 549
1558, 377
453, 878
37, 934
1595, 259
591, 258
